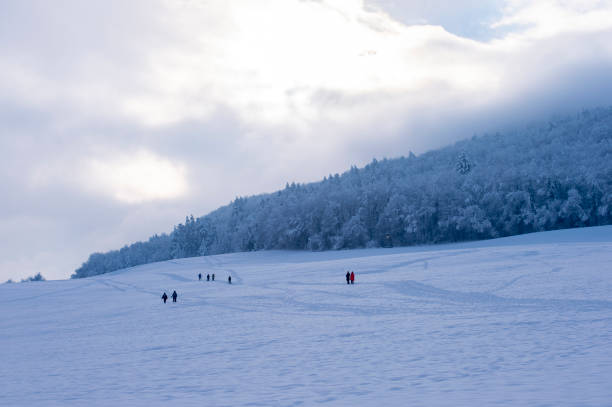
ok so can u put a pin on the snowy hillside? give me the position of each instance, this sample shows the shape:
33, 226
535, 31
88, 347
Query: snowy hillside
525, 320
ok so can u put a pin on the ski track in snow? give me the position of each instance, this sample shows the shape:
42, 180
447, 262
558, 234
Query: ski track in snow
525, 320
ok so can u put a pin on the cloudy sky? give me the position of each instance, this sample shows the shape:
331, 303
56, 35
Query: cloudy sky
118, 118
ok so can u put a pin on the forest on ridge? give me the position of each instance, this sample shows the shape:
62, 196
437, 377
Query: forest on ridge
552, 175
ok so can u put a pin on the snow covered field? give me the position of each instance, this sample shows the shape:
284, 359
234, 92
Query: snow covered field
521, 321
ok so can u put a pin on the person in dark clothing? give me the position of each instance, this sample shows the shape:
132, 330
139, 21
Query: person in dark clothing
174, 295
348, 277
229, 279
207, 277
199, 276
352, 277
213, 277
165, 298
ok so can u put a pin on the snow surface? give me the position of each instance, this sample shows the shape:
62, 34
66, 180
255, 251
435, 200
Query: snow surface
525, 320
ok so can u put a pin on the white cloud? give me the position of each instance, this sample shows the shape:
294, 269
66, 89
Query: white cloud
271, 62
136, 178
268, 63
547, 18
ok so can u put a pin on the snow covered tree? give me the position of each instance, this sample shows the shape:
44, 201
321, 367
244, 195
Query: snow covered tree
463, 165
36, 277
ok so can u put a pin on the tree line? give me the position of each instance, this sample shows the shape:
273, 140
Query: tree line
547, 176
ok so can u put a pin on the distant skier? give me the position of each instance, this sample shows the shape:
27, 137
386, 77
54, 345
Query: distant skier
352, 277
229, 279
174, 295
165, 298
200, 276
207, 277
348, 277
213, 277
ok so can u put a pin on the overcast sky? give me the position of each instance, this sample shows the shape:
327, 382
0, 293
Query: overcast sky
118, 118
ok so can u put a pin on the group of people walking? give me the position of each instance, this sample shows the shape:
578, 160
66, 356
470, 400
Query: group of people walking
208, 277
350, 277
174, 295
212, 276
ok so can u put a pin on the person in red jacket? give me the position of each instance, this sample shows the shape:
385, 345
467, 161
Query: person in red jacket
352, 277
